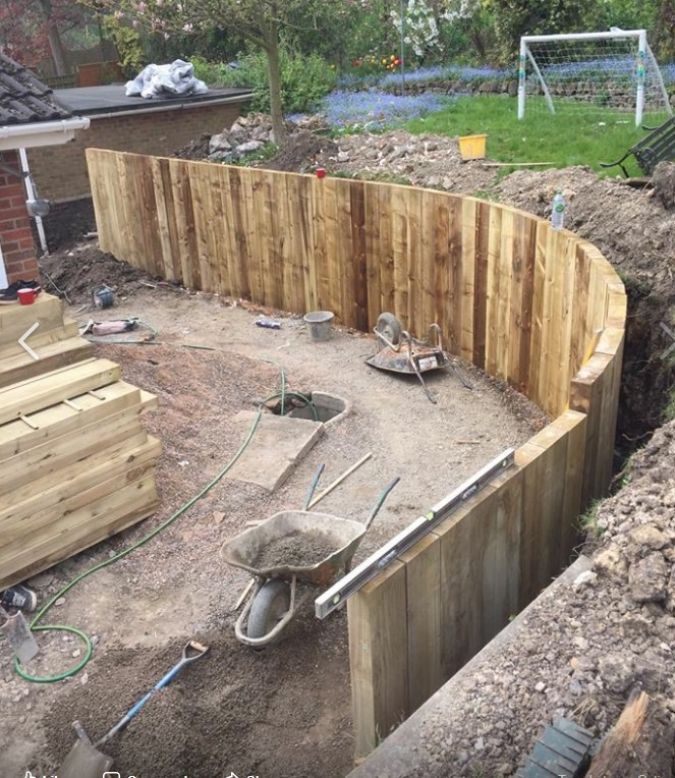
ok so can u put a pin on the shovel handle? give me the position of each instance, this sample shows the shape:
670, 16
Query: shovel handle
380, 502
191, 652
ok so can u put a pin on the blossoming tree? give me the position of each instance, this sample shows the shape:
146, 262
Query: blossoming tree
260, 21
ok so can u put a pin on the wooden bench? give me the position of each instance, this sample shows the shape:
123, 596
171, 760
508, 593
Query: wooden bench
656, 146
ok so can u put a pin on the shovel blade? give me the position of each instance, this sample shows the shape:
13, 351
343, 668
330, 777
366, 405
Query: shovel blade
85, 761
15, 628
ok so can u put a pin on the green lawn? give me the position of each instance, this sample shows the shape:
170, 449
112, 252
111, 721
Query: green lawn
575, 135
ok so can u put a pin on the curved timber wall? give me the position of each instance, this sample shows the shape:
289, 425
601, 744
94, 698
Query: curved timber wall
540, 309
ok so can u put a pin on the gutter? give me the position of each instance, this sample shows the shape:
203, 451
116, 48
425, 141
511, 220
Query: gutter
54, 133
173, 107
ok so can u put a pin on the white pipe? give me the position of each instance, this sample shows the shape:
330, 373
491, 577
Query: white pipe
30, 192
64, 126
3, 271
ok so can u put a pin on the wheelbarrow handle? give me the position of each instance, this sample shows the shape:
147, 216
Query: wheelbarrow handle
380, 502
312, 486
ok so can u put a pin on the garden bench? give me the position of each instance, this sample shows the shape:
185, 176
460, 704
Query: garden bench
656, 146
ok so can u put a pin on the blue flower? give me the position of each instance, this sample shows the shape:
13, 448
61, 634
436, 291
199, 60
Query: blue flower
377, 109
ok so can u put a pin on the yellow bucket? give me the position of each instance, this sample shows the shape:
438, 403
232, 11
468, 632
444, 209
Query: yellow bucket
472, 146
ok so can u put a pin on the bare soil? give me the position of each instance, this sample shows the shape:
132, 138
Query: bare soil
281, 712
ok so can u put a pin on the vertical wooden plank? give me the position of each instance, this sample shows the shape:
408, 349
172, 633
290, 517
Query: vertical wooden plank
330, 289
480, 569
423, 596
579, 340
480, 284
493, 290
239, 270
440, 216
427, 260
453, 307
573, 424
317, 248
378, 656
468, 271
505, 302
400, 239
347, 267
544, 460
357, 207
522, 284
185, 224
374, 258
386, 257
537, 344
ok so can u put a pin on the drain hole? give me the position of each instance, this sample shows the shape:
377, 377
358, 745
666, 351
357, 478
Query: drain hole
325, 407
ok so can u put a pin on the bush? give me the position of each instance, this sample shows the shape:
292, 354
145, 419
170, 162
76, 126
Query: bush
305, 80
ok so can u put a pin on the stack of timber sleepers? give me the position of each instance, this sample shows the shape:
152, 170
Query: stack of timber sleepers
76, 464
51, 340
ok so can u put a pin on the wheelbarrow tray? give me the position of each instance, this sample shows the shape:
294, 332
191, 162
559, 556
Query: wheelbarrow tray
344, 534
426, 359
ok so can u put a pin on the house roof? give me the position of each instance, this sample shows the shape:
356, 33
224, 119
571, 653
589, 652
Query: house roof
24, 99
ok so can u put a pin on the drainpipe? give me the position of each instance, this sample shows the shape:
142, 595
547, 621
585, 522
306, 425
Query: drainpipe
30, 193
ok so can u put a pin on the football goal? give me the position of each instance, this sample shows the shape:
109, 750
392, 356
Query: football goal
609, 72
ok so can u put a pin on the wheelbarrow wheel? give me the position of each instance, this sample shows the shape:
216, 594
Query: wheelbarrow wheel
270, 605
389, 326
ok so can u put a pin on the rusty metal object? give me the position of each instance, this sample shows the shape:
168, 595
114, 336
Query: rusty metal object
402, 353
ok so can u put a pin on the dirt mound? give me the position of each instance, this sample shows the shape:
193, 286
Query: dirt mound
663, 180
637, 235
76, 273
195, 149
628, 225
424, 160
302, 153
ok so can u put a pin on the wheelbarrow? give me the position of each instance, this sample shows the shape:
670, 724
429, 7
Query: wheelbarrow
274, 595
402, 353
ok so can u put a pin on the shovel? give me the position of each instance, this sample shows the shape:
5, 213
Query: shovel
84, 760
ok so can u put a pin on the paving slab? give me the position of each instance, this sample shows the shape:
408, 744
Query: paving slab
278, 444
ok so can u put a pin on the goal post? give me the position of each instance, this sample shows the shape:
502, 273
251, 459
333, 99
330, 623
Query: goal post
616, 70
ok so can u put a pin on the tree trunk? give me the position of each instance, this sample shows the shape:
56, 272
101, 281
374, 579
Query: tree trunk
56, 48
274, 76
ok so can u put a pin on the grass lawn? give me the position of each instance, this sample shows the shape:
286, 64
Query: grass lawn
575, 135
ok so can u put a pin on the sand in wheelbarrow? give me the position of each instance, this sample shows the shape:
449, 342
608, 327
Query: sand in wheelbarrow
298, 549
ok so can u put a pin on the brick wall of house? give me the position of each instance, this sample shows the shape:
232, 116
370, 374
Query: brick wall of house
16, 238
60, 172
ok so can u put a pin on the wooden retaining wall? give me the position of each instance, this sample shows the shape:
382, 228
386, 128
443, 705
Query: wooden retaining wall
539, 308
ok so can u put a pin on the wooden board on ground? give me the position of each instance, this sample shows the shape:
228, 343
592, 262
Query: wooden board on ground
278, 444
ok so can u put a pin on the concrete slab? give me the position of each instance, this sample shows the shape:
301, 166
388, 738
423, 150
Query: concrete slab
278, 444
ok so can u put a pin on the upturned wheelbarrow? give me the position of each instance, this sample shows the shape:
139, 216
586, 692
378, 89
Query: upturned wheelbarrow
276, 593
400, 352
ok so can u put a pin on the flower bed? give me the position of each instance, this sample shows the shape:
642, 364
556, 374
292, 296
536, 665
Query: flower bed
375, 109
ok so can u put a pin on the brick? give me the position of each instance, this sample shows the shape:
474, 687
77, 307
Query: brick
60, 173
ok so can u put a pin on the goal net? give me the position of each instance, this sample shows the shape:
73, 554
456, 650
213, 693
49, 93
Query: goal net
613, 74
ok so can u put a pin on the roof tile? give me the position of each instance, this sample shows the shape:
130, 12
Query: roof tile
23, 98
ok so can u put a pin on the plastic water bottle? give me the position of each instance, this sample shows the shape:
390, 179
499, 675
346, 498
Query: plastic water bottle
558, 211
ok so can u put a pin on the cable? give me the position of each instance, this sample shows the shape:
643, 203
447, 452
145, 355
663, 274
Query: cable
36, 627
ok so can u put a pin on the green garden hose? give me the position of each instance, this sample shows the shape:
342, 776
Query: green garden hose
35, 626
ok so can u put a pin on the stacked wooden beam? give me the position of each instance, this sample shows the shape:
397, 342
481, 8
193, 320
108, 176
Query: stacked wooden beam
76, 464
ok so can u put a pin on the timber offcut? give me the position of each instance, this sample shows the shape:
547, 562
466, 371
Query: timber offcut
77, 463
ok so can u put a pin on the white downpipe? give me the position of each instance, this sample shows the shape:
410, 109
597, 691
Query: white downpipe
641, 70
30, 193
3, 271
522, 57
